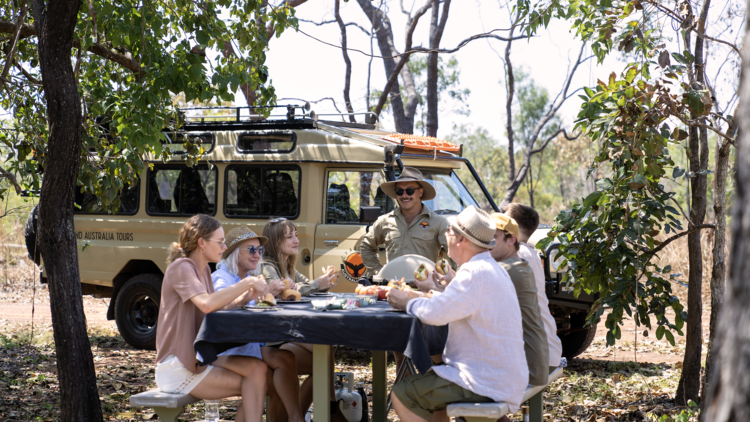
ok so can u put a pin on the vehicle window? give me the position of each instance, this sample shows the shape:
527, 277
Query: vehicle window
176, 141
181, 190
348, 190
87, 203
451, 193
262, 191
266, 142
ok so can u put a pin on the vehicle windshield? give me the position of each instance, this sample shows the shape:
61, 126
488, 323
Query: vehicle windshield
456, 190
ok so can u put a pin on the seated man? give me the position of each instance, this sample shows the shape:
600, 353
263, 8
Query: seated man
528, 221
484, 357
534, 337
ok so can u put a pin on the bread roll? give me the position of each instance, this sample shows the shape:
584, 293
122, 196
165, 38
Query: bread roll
442, 266
269, 299
290, 294
421, 272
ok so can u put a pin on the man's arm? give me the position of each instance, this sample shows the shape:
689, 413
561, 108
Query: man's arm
369, 247
457, 302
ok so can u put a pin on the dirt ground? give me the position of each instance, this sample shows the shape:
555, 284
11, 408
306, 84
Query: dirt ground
634, 380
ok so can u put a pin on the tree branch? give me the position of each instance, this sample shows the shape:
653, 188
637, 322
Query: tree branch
361, 28
26, 74
677, 236
6, 175
101, 50
14, 43
553, 136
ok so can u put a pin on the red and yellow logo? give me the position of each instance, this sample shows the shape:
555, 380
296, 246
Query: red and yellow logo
354, 266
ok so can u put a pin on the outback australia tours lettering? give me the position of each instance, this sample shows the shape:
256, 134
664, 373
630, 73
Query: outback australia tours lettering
123, 237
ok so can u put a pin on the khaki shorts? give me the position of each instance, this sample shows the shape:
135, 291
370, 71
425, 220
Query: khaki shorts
424, 394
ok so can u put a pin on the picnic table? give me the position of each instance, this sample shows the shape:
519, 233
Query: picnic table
377, 327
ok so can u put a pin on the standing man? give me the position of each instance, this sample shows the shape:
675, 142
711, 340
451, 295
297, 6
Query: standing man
505, 253
412, 228
528, 220
484, 356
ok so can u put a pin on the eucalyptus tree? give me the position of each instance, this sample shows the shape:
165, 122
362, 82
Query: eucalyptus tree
89, 86
661, 97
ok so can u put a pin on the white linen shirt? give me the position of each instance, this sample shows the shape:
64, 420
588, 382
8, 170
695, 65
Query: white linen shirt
484, 352
528, 253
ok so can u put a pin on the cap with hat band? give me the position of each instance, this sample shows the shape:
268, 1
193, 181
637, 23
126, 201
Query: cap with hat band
409, 174
505, 223
476, 225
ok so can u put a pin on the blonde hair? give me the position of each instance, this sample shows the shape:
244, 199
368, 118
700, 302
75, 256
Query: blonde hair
197, 227
276, 234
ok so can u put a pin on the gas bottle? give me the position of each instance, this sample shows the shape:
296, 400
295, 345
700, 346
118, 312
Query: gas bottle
349, 401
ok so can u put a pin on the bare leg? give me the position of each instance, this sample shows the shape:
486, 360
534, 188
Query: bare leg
285, 382
303, 355
441, 416
404, 413
237, 375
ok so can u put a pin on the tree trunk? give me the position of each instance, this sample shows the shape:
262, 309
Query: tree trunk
436, 34
729, 387
718, 272
384, 33
344, 52
79, 398
690, 379
510, 84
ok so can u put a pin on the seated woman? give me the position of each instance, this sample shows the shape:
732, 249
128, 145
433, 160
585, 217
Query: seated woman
244, 250
187, 295
279, 257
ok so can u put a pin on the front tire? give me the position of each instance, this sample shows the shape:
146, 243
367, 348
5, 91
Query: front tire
575, 343
137, 310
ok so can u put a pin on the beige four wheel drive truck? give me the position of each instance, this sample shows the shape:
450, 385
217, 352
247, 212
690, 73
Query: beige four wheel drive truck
325, 176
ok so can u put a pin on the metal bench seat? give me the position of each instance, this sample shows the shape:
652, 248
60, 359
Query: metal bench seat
484, 412
168, 406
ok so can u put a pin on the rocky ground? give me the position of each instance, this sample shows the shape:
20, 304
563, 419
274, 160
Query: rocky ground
632, 381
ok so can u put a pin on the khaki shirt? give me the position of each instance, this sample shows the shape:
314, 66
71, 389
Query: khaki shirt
425, 236
305, 286
534, 336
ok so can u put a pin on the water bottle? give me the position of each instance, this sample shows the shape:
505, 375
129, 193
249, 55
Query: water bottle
212, 410
365, 411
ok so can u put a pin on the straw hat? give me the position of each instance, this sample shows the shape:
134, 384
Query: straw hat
410, 174
237, 235
476, 225
505, 223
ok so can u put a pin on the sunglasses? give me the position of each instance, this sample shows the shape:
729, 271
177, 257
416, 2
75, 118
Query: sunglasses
253, 249
409, 191
217, 240
277, 220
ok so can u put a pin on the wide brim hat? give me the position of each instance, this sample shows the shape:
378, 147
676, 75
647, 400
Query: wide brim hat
505, 223
476, 225
236, 236
410, 174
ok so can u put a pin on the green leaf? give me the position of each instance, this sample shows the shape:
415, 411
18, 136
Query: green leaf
660, 332
670, 337
677, 172
604, 184
631, 74
592, 199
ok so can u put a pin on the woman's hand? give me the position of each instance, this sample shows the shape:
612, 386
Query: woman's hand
257, 285
328, 280
275, 287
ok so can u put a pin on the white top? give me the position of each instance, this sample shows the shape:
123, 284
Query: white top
484, 352
528, 253
223, 279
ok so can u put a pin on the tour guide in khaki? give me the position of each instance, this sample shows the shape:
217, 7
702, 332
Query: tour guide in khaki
409, 229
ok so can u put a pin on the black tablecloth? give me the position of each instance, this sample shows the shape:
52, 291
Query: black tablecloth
375, 327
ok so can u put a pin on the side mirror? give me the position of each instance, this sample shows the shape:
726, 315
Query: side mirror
369, 214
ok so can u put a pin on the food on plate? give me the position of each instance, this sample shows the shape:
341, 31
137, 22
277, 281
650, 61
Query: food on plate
442, 266
381, 293
397, 284
289, 294
421, 272
268, 300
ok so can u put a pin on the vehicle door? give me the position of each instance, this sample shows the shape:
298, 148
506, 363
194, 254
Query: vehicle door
338, 239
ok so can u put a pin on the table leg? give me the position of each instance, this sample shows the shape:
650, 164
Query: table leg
379, 385
321, 382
